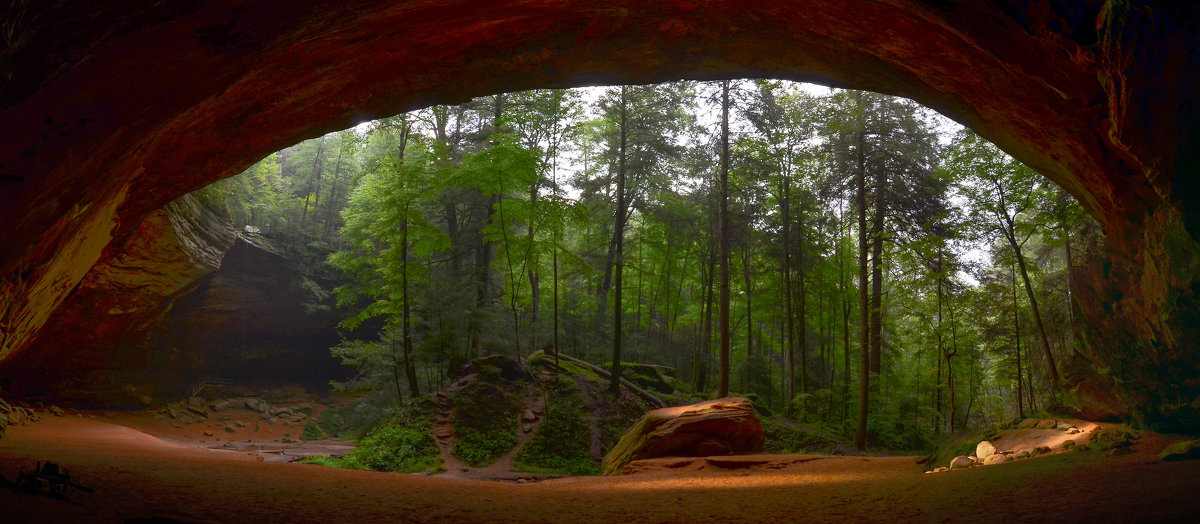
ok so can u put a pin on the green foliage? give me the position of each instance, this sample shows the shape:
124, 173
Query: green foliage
454, 222
325, 460
485, 422
312, 431
402, 444
563, 441
780, 438
396, 448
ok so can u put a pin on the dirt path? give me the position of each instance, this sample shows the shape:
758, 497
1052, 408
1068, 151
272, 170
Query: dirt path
443, 426
137, 476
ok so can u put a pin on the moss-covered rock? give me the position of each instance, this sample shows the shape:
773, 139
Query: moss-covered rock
1185, 450
715, 427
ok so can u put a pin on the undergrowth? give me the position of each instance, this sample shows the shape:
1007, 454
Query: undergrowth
563, 441
485, 421
402, 445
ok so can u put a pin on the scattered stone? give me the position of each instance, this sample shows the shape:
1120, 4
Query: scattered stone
1186, 450
242, 424
1114, 441
961, 462
1073, 431
1047, 424
208, 433
252, 404
996, 459
57, 411
526, 428
528, 416
942, 469
195, 402
220, 405
1024, 454
984, 450
1027, 423
1068, 444
1042, 450
229, 429
272, 420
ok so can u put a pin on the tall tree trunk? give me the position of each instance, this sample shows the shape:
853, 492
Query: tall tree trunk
1066, 234
619, 256
410, 371
483, 250
314, 178
723, 240
860, 435
1017, 341
940, 344
877, 275
842, 290
710, 280
785, 191
950, 365
337, 173
1037, 315
535, 291
749, 297
803, 334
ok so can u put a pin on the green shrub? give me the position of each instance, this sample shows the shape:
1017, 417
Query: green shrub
485, 421
392, 447
782, 439
323, 460
563, 442
312, 431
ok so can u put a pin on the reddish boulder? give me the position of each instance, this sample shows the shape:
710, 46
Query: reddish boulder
716, 427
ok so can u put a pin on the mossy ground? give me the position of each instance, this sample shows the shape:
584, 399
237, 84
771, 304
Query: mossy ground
563, 441
485, 421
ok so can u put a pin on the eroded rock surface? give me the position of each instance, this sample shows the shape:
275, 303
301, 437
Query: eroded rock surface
185, 297
109, 114
716, 427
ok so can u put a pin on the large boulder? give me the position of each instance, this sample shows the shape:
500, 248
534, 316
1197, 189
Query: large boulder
984, 450
1186, 450
715, 427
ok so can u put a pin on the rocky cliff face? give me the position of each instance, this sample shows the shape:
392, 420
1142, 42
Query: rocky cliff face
111, 113
182, 298
264, 316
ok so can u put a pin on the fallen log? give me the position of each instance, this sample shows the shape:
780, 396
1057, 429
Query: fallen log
650, 398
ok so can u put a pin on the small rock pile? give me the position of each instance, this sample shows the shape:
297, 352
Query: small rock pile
986, 453
16, 416
194, 410
271, 414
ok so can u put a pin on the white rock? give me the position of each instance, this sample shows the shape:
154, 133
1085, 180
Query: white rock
984, 450
996, 459
961, 462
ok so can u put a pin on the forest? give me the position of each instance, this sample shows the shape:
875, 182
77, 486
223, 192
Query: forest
852, 260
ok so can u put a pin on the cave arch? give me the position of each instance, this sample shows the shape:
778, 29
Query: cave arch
110, 114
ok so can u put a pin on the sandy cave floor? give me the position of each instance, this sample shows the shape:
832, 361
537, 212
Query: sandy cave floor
139, 476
